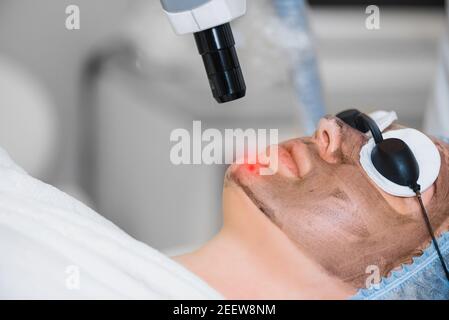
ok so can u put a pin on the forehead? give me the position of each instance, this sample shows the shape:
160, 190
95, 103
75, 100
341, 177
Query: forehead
342, 124
353, 140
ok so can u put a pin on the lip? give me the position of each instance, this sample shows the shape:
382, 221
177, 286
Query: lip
286, 162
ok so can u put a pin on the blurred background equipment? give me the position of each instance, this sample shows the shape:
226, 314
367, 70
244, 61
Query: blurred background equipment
27, 118
91, 110
296, 40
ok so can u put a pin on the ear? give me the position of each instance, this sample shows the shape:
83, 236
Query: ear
329, 137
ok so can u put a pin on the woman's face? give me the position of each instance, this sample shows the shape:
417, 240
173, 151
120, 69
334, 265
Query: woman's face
323, 201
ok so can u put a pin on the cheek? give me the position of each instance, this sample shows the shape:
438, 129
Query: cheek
324, 192
248, 177
335, 193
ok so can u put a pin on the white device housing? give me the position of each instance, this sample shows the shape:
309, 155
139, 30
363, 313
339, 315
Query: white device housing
206, 16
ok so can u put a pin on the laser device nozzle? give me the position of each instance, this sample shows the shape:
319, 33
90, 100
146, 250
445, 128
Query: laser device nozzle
217, 48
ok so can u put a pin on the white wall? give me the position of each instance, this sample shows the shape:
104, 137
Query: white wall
33, 34
392, 68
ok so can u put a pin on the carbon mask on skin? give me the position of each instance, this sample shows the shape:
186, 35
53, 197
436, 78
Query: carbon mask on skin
335, 214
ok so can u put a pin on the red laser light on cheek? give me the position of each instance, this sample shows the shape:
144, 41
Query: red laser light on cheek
251, 167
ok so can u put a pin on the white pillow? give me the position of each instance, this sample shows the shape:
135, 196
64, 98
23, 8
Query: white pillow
54, 247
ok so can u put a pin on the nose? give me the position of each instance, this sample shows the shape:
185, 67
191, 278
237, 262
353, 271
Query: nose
328, 138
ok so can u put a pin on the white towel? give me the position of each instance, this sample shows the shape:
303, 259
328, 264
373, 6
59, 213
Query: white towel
54, 247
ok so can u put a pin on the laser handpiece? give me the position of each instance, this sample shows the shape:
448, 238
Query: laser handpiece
209, 21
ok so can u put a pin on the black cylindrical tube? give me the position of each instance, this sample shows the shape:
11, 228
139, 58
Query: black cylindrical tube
217, 47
